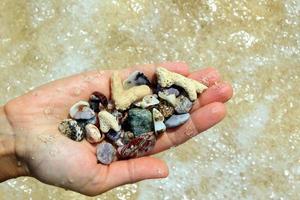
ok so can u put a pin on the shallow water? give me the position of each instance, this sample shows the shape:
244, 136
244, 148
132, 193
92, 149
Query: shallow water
253, 154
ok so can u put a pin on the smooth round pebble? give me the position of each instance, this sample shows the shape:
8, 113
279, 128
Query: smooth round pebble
93, 134
106, 153
177, 120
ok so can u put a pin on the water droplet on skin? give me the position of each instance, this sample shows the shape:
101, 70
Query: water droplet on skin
48, 111
70, 180
19, 163
77, 91
59, 90
159, 172
32, 158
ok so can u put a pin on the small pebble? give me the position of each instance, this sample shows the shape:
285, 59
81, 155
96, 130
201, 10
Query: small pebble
177, 120
149, 100
126, 137
139, 121
171, 90
170, 98
135, 79
71, 129
112, 135
158, 119
183, 104
106, 153
165, 109
110, 105
93, 134
137, 147
81, 110
98, 101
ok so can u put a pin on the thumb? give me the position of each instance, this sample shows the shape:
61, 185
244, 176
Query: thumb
134, 170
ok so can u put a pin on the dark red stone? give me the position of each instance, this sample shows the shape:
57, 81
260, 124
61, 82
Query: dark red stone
137, 147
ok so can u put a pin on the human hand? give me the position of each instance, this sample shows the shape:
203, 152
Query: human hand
55, 159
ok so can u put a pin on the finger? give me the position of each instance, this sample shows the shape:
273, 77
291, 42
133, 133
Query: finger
220, 92
133, 170
201, 120
208, 76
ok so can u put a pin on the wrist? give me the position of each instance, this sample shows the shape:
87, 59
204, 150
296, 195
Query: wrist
10, 166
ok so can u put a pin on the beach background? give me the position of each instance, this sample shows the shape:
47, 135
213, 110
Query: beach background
253, 154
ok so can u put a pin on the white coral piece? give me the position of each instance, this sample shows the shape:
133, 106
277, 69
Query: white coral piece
124, 98
166, 78
108, 121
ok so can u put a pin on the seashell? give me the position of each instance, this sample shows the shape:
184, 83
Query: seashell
170, 98
93, 134
135, 79
81, 110
165, 109
108, 121
106, 153
183, 104
139, 121
158, 119
98, 101
177, 120
71, 129
149, 100
166, 79
124, 98
137, 147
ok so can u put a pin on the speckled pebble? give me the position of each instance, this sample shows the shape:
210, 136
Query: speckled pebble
139, 121
158, 120
106, 153
71, 129
183, 104
166, 109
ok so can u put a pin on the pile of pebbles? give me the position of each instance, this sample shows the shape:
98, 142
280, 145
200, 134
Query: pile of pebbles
128, 125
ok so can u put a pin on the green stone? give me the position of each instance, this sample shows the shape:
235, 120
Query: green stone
140, 121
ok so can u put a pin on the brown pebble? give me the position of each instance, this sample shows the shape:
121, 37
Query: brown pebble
166, 109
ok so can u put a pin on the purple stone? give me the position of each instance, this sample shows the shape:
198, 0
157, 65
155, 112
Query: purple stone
106, 153
172, 90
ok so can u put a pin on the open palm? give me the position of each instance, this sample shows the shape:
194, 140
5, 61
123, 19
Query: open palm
54, 159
